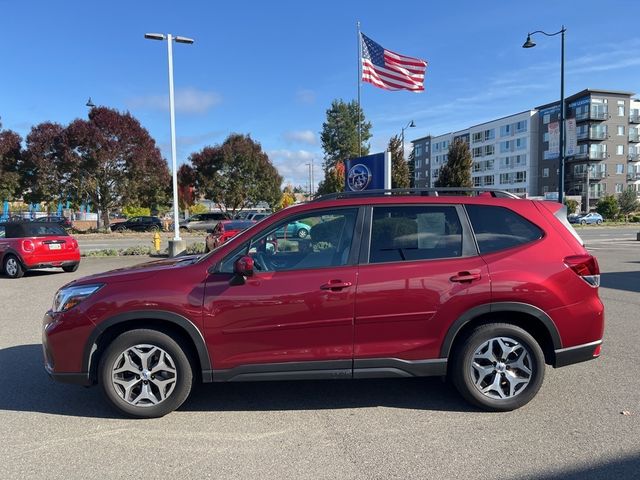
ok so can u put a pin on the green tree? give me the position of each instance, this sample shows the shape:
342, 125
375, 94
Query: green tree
411, 165
236, 175
130, 211
399, 168
628, 203
340, 140
571, 204
457, 171
10, 158
608, 207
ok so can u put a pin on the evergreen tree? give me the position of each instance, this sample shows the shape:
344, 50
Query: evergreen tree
340, 142
399, 167
457, 171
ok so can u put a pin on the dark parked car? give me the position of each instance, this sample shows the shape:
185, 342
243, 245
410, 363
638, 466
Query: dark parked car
485, 289
139, 224
32, 245
64, 222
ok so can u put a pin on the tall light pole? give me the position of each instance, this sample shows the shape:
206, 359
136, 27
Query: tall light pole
409, 125
177, 245
531, 44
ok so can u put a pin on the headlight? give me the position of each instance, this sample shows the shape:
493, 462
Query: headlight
69, 297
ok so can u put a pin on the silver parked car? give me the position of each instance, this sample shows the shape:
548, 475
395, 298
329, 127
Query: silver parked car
203, 221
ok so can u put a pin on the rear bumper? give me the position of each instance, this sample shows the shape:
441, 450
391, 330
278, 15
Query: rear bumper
577, 354
51, 264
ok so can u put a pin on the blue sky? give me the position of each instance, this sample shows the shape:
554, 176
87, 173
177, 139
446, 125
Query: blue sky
271, 69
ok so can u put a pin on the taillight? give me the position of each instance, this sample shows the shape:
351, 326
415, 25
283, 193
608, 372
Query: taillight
28, 246
586, 267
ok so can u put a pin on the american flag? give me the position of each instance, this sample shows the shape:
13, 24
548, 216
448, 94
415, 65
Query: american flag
389, 70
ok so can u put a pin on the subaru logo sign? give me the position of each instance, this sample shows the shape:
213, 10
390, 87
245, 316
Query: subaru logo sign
359, 177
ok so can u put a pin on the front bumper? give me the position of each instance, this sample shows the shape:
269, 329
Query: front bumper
577, 354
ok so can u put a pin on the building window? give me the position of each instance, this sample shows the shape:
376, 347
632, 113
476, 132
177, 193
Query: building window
489, 134
521, 177
504, 178
545, 189
489, 164
620, 129
545, 172
418, 150
546, 118
619, 169
476, 181
621, 108
489, 149
545, 137
521, 126
477, 137
418, 163
521, 143
618, 188
488, 179
619, 149
418, 174
476, 152
505, 130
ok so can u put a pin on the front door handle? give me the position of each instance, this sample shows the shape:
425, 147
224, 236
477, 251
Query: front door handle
465, 277
335, 285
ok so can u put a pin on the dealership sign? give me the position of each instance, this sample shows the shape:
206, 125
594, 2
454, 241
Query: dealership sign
371, 172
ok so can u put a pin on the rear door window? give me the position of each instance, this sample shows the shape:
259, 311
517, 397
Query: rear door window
43, 230
423, 232
498, 228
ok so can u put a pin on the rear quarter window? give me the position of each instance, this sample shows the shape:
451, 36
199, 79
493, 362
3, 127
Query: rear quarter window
498, 228
43, 230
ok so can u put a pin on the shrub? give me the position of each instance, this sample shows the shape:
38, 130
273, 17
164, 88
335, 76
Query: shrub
608, 207
195, 248
134, 211
197, 208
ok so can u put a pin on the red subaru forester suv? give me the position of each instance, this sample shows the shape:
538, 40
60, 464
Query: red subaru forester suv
485, 289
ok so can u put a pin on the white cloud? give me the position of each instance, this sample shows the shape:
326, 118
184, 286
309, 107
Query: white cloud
305, 96
292, 165
188, 100
300, 136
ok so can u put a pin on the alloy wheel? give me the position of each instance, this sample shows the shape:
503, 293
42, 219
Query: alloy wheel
501, 368
144, 375
11, 267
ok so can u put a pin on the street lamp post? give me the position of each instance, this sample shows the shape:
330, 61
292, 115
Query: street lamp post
530, 44
409, 125
177, 245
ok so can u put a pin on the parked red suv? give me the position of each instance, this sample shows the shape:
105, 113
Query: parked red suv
30, 245
485, 289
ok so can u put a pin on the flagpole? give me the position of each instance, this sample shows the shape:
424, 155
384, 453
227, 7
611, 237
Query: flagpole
359, 81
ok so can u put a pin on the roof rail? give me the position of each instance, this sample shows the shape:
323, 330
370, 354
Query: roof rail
430, 192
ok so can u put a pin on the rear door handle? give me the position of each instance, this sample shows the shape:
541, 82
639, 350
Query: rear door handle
335, 285
465, 277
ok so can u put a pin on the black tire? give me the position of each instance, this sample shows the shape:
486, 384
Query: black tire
583, 222
177, 357
463, 374
155, 228
599, 222
71, 268
120, 229
302, 233
12, 267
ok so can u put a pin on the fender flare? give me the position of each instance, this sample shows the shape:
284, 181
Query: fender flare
474, 312
170, 317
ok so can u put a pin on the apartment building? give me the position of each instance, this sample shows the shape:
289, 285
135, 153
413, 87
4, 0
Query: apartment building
520, 153
606, 157
503, 153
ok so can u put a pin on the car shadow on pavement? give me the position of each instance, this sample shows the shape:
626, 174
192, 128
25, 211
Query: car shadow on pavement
624, 467
629, 281
33, 273
27, 388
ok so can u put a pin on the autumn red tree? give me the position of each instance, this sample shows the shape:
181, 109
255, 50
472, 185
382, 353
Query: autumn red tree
118, 162
10, 158
186, 186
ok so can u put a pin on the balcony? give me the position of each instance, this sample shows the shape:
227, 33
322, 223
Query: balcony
593, 114
588, 156
633, 176
592, 135
633, 157
593, 176
634, 137
634, 118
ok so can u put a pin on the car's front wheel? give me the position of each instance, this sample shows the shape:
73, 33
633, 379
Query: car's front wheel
498, 367
145, 374
302, 233
583, 222
12, 267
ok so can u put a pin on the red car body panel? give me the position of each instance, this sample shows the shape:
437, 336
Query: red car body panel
401, 310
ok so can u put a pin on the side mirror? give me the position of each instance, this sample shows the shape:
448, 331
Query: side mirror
243, 266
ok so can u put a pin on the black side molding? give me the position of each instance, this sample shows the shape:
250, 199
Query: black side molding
185, 324
500, 307
577, 354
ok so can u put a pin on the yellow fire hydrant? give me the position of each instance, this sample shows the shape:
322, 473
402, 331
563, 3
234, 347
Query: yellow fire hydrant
156, 241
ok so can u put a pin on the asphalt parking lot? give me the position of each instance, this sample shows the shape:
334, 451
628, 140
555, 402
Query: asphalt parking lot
584, 423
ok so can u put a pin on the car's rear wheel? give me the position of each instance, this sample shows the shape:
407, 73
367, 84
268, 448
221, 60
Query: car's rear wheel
302, 233
12, 267
155, 228
498, 367
145, 374
71, 268
599, 222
